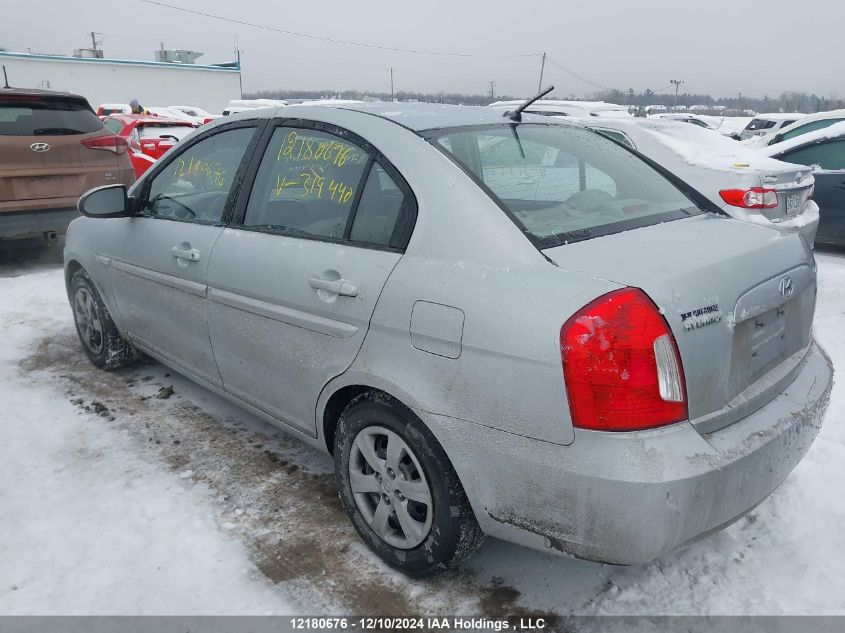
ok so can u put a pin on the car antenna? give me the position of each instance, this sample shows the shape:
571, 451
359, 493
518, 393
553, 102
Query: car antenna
516, 115
5, 78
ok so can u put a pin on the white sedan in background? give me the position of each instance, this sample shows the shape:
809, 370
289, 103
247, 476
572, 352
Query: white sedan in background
743, 182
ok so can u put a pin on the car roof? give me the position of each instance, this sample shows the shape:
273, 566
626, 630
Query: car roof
418, 116
37, 92
780, 116
832, 131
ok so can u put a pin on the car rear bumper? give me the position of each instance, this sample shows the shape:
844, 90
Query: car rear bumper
27, 224
626, 498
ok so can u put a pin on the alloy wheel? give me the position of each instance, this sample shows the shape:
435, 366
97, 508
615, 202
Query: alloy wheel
390, 487
88, 321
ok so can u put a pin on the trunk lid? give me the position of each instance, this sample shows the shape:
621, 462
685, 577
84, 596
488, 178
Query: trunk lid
739, 299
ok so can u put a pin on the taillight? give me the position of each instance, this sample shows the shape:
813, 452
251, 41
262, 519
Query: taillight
116, 144
754, 198
621, 365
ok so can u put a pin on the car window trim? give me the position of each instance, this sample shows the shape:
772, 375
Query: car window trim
237, 180
375, 156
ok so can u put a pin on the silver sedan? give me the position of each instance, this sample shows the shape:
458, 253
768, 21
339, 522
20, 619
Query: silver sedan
498, 325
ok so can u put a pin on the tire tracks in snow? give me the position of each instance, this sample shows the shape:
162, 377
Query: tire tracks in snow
268, 494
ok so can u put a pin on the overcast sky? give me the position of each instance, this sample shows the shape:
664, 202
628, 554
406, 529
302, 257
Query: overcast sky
721, 47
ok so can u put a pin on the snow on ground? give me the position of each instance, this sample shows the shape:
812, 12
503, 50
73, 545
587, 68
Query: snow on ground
88, 522
187, 504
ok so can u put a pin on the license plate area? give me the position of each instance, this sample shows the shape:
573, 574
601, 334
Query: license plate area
767, 338
36, 187
793, 203
764, 341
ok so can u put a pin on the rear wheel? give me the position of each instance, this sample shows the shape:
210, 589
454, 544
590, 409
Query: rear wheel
399, 488
101, 341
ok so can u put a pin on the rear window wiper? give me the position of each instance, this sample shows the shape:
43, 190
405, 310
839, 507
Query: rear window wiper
42, 131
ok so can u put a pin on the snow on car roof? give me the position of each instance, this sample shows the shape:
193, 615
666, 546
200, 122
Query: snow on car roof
780, 116
694, 145
832, 131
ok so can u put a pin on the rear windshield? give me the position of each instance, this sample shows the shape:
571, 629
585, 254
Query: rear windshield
164, 131
564, 183
39, 116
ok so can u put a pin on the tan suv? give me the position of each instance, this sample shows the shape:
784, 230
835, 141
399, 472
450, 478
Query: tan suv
53, 148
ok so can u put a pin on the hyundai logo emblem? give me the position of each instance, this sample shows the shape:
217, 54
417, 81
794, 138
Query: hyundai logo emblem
40, 147
785, 287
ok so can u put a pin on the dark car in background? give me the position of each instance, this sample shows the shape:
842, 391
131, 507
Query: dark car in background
824, 150
53, 148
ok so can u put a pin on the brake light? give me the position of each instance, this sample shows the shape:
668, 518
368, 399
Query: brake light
621, 365
116, 144
754, 198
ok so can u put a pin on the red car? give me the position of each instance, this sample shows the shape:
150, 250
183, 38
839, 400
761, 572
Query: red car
149, 137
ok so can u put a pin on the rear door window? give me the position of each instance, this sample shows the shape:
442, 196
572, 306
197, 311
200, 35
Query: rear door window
308, 183
829, 155
26, 115
384, 214
809, 127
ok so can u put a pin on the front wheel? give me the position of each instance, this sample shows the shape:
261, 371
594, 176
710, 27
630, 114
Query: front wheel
101, 341
399, 488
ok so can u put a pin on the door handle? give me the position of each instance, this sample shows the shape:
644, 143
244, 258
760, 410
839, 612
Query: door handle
191, 254
341, 287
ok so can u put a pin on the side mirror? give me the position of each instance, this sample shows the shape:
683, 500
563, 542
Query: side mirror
109, 201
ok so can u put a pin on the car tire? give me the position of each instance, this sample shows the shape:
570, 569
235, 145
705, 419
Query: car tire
429, 526
101, 341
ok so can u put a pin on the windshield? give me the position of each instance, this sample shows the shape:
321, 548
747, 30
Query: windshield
564, 183
27, 115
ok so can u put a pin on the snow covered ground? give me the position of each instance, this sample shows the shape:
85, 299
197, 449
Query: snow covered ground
113, 500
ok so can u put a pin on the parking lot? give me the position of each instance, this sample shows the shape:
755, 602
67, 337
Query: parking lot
138, 492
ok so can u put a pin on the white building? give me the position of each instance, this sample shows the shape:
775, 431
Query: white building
120, 80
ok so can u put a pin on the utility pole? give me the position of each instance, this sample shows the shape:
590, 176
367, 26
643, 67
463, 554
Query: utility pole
492, 90
94, 41
677, 83
240, 73
391, 84
542, 68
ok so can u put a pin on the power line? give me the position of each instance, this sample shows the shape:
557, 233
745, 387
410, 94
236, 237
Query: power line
577, 75
323, 38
